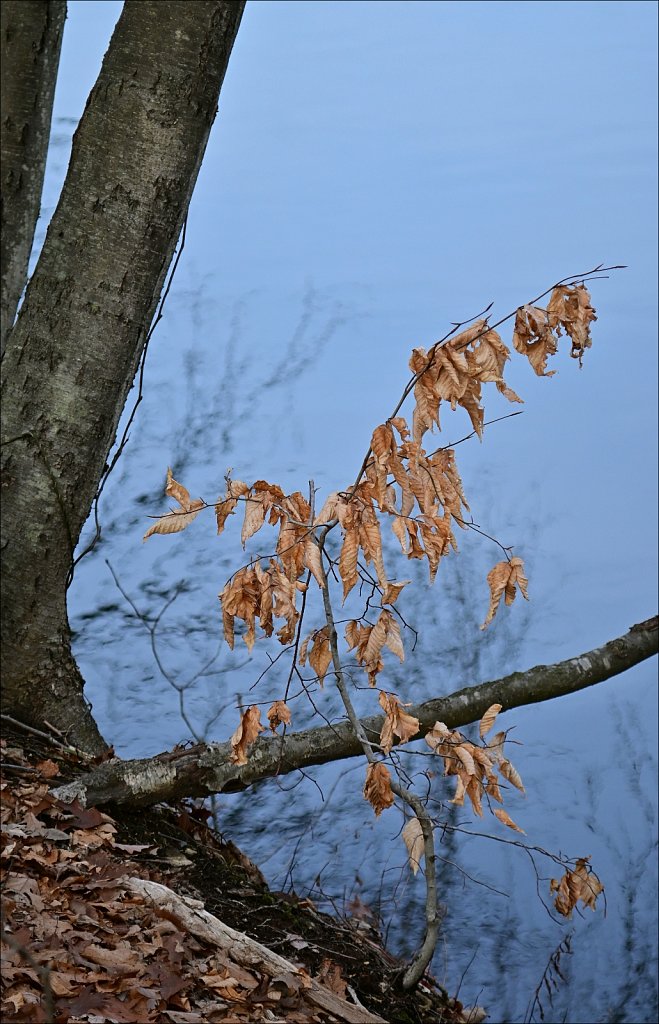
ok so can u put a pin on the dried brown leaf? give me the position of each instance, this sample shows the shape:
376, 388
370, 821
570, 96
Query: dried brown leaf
397, 722
225, 506
279, 713
488, 719
247, 731
505, 818
348, 560
254, 518
320, 655
377, 789
509, 772
393, 590
413, 839
502, 579
579, 884
312, 560
569, 308
179, 518
533, 337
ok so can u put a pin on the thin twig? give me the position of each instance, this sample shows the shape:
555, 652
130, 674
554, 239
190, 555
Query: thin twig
409, 387
417, 967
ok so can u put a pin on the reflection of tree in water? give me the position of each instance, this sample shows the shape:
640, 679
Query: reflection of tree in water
334, 850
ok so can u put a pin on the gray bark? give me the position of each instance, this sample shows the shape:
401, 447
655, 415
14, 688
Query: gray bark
206, 769
72, 355
30, 43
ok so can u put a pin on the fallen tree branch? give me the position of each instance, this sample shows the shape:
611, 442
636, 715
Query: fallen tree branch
207, 768
242, 949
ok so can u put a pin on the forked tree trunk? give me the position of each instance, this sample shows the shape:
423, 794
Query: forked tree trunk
30, 44
71, 357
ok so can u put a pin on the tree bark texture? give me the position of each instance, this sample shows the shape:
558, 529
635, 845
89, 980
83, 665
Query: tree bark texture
30, 41
206, 769
72, 355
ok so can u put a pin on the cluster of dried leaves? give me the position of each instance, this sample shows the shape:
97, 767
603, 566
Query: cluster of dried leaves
580, 884
250, 726
474, 766
422, 495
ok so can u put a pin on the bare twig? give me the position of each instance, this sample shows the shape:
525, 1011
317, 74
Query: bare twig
417, 967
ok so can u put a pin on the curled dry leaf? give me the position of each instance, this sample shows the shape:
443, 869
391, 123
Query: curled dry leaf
569, 307
328, 511
488, 719
312, 560
225, 506
579, 884
377, 789
413, 839
397, 722
178, 518
320, 655
537, 330
254, 518
369, 642
503, 579
509, 772
247, 731
505, 818
348, 560
392, 590
279, 713
533, 337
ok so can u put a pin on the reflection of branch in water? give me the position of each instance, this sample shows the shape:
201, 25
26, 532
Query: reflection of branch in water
151, 626
548, 980
302, 350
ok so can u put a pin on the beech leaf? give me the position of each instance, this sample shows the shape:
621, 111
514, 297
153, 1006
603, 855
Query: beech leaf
279, 713
377, 788
503, 579
397, 722
413, 839
247, 731
505, 818
488, 719
178, 518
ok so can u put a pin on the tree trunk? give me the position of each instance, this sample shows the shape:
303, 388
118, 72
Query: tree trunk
31, 34
72, 355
